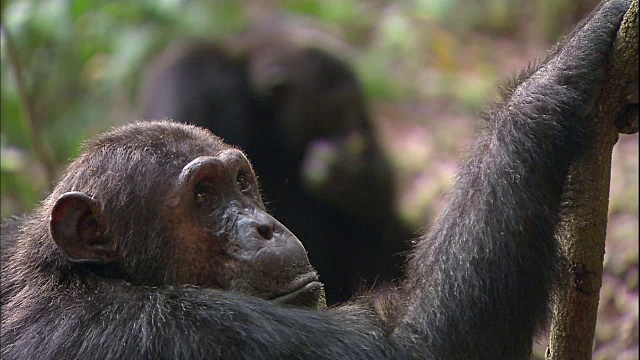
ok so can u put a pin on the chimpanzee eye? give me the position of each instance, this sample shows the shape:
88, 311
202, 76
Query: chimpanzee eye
203, 193
243, 181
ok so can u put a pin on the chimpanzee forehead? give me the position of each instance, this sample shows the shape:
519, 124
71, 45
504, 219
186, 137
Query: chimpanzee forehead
163, 135
138, 158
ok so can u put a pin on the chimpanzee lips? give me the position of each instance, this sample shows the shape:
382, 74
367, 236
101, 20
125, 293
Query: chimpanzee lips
306, 294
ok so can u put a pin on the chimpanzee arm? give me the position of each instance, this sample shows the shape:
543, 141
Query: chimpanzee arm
487, 266
180, 323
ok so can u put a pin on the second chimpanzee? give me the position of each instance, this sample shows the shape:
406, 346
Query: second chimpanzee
300, 115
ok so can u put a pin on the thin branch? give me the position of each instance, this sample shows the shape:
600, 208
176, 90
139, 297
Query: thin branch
34, 131
582, 231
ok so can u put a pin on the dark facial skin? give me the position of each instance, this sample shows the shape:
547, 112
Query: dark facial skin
227, 240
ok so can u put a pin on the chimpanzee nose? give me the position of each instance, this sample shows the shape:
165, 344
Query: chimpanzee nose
259, 234
265, 225
257, 228
265, 231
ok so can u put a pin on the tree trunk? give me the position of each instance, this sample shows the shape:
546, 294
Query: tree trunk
584, 220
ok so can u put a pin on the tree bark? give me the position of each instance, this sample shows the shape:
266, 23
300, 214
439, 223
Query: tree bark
584, 219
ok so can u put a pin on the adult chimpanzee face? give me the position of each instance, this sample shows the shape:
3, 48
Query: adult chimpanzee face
226, 239
216, 232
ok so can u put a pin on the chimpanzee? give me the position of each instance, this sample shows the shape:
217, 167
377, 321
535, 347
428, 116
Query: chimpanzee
156, 245
299, 113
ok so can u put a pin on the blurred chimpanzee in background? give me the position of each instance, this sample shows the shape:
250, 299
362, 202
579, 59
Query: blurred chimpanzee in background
296, 108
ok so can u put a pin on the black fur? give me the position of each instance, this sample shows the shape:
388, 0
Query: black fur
479, 282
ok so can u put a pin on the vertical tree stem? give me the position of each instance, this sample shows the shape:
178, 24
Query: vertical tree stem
583, 229
28, 106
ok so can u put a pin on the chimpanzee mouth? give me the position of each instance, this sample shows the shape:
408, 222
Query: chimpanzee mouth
308, 294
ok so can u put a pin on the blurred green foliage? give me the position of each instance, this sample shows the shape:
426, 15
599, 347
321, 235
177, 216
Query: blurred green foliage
72, 68
79, 63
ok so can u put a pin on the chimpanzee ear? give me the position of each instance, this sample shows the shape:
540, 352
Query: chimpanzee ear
78, 229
